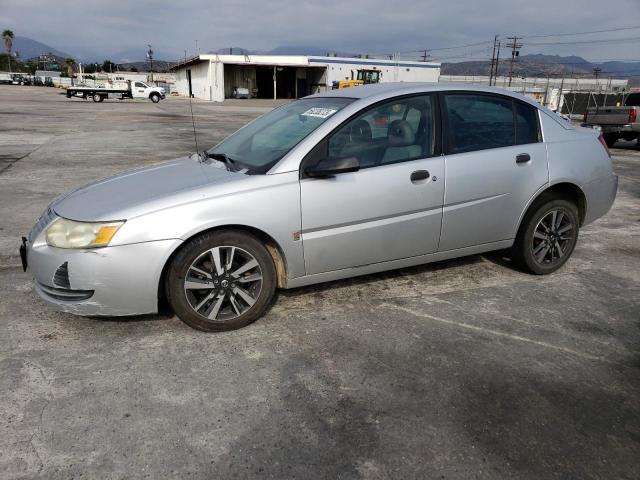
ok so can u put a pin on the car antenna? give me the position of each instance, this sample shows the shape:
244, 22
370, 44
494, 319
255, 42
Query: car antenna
193, 122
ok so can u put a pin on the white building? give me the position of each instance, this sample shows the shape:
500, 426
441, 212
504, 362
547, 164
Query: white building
213, 77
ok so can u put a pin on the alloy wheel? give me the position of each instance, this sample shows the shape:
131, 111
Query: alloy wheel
552, 237
223, 283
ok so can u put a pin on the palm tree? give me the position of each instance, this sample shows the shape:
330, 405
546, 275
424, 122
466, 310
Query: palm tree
68, 65
7, 36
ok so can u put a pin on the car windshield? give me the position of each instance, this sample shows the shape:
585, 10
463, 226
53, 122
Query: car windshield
263, 142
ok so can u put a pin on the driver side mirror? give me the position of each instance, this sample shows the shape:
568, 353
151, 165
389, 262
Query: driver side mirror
328, 167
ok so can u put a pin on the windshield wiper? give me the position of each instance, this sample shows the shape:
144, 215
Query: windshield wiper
221, 157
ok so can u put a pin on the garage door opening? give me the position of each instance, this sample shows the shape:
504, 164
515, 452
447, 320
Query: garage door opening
290, 82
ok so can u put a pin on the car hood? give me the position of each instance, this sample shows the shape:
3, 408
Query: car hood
135, 191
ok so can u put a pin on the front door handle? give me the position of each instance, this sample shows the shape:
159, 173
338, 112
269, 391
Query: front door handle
419, 175
523, 158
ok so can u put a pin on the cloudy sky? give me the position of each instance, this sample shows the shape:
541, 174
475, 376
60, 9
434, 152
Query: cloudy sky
95, 29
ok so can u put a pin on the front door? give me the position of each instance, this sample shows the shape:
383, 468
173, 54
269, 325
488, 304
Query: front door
495, 163
139, 90
392, 207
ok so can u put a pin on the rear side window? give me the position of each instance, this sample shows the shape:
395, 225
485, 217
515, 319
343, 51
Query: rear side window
633, 100
478, 122
527, 129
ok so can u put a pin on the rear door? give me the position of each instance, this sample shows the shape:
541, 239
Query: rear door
392, 207
495, 163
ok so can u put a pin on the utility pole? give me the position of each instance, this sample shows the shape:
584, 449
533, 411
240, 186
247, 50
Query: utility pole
560, 102
596, 74
495, 77
493, 60
424, 55
515, 47
150, 57
546, 93
493, 71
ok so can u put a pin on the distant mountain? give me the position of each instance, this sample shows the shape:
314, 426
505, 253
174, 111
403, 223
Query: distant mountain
158, 66
29, 48
129, 55
307, 50
232, 50
539, 65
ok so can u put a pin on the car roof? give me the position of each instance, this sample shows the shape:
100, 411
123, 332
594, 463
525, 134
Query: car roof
398, 88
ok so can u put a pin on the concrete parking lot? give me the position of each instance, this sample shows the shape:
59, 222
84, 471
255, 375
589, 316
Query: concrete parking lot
455, 370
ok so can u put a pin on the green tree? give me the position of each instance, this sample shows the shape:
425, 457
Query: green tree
7, 36
108, 66
133, 69
68, 66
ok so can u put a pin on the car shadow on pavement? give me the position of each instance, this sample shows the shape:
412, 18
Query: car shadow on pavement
499, 258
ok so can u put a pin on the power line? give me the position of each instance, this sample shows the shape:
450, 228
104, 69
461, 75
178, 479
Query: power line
582, 33
462, 46
580, 42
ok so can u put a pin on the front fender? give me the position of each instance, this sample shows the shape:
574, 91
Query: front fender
273, 209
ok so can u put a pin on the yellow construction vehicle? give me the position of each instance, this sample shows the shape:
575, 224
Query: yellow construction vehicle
364, 77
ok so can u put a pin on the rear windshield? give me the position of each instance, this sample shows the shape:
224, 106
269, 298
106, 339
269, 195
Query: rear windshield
263, 142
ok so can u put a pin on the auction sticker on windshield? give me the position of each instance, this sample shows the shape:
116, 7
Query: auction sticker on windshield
319, 112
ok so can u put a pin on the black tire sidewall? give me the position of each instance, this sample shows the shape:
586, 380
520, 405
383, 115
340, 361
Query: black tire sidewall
194, 248
525, 252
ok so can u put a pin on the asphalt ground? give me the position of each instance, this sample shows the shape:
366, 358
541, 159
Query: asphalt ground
461, 369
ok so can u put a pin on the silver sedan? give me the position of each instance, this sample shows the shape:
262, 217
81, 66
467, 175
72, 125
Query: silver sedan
334, 185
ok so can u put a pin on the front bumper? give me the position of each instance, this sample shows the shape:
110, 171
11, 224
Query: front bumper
111, 281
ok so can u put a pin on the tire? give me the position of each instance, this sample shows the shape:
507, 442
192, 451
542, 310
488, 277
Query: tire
224, 303
96, 98
610, 139
154, 97
530, 251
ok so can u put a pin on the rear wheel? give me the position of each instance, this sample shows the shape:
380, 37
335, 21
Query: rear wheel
221, 281
97, 97
547, 236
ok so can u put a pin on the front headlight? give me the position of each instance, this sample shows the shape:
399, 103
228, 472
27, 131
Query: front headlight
63, 233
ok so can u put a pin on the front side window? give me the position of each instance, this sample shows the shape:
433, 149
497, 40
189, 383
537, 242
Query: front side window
395, 131
478, 122
263, 142
140, 85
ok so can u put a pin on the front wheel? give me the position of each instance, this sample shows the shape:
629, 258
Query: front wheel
221, 281
155, 98
547, 237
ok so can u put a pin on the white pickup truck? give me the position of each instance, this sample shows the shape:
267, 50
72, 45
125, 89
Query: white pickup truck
128, 89
616, 122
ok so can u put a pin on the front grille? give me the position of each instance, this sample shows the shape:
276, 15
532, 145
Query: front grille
44, 220
61, 277
65, 294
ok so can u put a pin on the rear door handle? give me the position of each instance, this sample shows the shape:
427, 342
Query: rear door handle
523, 158
419, 175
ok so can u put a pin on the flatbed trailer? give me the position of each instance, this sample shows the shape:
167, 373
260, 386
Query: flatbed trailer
133, 90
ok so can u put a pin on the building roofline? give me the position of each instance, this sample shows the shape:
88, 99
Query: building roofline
298, 60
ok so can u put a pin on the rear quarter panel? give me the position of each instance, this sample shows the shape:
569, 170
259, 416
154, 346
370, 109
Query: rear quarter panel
576, 156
